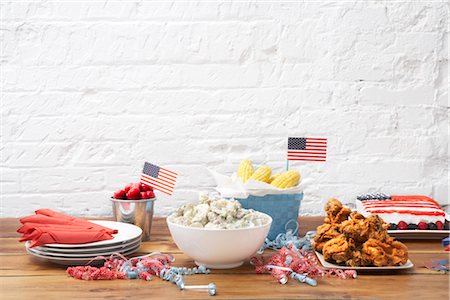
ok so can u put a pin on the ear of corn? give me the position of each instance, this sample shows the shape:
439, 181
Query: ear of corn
262, 174
245, 170
287, 179
272, 178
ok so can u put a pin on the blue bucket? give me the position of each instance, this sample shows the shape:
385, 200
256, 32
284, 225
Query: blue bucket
282, 208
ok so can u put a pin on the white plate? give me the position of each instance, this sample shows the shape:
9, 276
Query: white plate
84, 250
126, 233
419, 234
328, 265
84, 254
73, 261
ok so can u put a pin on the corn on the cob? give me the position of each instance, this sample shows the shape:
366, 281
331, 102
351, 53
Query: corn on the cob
262, 174
245, 169
287, 179
272, 178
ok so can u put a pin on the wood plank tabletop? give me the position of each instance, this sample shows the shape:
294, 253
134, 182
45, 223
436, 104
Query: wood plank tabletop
24, 277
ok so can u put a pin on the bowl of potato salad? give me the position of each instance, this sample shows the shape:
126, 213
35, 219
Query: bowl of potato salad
218, 233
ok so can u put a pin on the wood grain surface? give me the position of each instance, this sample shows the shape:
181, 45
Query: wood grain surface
24, 277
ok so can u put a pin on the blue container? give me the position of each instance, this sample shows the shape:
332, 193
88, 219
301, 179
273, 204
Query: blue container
282, 208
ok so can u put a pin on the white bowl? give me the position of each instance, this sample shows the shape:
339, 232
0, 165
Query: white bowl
219, 248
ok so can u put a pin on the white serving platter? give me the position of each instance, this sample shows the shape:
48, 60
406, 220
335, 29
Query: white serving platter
419, 234
73, 261
84, 254
86, 250
325, 264
126, 233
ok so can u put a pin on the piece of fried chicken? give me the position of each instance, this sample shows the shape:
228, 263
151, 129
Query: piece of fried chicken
339, 250
361, 229
325, 232
336, 212
392, 253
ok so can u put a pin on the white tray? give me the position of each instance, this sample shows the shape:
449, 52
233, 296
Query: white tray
328, 265
419, 234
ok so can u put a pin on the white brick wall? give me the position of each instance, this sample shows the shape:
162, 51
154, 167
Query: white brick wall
92, 90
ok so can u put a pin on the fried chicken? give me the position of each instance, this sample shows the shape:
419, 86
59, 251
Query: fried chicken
339, 249
325, 232
336, 212
357, 241
380, 253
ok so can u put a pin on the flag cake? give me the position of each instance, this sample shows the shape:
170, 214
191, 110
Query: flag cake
404, 212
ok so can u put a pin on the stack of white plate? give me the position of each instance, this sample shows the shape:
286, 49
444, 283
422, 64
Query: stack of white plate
126, 242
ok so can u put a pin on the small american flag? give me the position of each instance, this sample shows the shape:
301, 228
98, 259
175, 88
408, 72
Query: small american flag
307, 149
159, 178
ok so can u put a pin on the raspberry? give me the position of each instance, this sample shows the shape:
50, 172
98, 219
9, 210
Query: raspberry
128, 187
422, 226
145, 188
392, 226
147, 195
439, 225
134, 194
402, 225
120, 194
150, 194
432, 226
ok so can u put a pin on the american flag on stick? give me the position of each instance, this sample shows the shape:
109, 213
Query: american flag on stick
307, 149
159, 178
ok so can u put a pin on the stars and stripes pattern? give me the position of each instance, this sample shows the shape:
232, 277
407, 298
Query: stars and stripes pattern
158, 178
307, 149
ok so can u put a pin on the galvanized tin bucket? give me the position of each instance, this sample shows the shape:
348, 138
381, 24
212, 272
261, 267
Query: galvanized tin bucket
137, 212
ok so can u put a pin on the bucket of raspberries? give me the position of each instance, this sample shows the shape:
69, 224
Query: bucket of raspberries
277, 194
134, 204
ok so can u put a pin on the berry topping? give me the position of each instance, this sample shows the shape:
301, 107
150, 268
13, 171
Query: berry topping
422, 226
392, 226
134, 194
120, 194
439, 225
432, 226
402, 225
412, 226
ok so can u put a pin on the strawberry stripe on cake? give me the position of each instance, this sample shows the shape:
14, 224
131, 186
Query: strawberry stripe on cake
409, 210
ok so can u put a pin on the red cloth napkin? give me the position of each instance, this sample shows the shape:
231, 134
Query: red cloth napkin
56, 236
51, 227
48, 216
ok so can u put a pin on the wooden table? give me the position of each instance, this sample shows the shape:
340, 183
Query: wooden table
23, 277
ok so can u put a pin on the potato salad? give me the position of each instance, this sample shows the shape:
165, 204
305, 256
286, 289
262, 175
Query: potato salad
215, 212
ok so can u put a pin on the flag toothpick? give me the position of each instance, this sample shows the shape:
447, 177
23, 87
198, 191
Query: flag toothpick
159, 178
306, 149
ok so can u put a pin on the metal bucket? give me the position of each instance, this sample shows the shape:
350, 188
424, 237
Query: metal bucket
137, 212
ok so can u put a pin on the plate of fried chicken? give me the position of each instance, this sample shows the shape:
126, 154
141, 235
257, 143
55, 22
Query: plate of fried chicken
348, 240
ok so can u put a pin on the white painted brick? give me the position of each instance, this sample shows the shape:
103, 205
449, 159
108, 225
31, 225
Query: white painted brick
90, 91
45, 155
415, 118
385, 96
